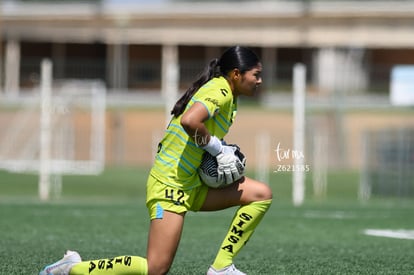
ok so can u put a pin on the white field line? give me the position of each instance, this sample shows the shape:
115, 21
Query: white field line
389, 233
314, 214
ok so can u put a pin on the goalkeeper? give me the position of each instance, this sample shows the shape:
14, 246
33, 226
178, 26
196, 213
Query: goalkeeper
201, 119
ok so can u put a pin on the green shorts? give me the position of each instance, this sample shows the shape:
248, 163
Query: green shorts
161, 197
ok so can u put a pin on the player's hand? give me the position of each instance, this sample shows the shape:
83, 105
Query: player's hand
230, 168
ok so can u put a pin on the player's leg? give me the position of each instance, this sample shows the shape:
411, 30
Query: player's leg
254, 199
164, 237
163, 240
125, 265
72, 264
242, 192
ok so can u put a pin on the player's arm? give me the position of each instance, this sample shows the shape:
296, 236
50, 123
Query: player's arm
193, 123
228, 163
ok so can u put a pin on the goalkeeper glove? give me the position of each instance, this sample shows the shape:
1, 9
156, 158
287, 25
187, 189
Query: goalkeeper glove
230, 168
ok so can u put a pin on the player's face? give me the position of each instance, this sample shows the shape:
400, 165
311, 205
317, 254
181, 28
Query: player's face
249, 82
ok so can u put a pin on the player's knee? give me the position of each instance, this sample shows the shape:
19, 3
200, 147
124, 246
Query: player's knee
158, 271
158, 268
264, 193
256, 190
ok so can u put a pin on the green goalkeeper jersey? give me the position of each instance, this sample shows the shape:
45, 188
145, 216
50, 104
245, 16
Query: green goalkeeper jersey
178, 156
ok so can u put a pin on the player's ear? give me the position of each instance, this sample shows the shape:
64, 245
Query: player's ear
235, 74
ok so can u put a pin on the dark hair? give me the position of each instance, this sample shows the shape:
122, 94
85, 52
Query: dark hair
236, 57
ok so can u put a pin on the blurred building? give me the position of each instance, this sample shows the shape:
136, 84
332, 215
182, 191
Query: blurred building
141, 47
346, 45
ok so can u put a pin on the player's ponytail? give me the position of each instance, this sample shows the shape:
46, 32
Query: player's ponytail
210, 71
238, 57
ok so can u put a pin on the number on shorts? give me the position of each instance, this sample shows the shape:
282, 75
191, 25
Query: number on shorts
169, 194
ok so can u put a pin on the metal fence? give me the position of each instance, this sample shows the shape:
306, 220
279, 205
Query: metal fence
388, 163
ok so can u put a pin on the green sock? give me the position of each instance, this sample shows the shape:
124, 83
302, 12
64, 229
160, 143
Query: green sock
242, 227
122, 265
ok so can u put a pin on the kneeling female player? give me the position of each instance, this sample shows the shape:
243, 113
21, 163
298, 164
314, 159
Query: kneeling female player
201, 118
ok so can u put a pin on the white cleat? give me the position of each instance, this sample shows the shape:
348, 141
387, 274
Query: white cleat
63, 266
229, 270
